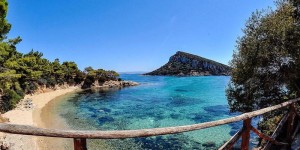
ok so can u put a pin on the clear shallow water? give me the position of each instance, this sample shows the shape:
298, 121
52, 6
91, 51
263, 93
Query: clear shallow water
157, 102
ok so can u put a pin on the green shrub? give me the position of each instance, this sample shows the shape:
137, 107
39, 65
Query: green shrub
11, 99
89, 80
51, 82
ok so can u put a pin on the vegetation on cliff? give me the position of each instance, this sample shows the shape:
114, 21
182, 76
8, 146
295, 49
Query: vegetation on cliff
266, 63
185, 64
24, 73
99, 76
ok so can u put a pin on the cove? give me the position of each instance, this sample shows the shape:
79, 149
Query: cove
158, 102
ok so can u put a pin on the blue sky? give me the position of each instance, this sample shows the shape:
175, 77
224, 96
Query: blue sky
129, 35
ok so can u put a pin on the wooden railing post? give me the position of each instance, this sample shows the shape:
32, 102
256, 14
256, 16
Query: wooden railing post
290, 128
229, 144
246, 134
80, 144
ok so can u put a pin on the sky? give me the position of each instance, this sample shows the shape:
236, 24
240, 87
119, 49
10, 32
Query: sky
129, 35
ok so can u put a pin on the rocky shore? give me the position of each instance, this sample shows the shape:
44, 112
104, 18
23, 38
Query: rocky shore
114, 84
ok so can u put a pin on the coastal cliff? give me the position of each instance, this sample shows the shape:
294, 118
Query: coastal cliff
185, 64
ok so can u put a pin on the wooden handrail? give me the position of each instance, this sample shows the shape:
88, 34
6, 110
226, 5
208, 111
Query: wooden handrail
245, 132
267, 138
229, 144
121, 134
80, 136
277, 130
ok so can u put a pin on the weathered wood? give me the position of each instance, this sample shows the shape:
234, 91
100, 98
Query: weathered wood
121, 134
229, 144
246, 134
296, 130
292, 115
267, 138
294, 108
277, 130
80, 144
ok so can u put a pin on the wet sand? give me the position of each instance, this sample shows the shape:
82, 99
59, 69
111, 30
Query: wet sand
35, 117
47, 117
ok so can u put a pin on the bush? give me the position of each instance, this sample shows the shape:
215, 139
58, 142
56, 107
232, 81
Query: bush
11, 99
20, 92
18, 89
51, 82
88, 82
102, 79
42, 81
79, 77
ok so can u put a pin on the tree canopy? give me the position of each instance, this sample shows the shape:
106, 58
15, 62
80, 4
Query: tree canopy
25, 73
266, 63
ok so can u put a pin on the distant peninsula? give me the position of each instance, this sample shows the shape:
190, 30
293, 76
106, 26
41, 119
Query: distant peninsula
185, 64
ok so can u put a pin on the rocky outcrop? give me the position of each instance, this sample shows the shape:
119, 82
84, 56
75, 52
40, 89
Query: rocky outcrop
185, 64
119, 83
114, 84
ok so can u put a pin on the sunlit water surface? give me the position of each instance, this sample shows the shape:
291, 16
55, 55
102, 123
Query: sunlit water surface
157, 102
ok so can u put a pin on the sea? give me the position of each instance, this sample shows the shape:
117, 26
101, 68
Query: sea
159, 101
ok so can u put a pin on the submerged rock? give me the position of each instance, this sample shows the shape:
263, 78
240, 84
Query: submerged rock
105, 119
209, 144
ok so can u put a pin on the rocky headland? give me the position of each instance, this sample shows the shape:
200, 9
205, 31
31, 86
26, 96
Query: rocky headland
185, 64
114, 84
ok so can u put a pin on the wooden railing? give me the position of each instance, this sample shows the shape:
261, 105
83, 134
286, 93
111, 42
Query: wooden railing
81, 136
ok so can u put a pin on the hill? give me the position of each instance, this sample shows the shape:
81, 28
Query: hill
185, 64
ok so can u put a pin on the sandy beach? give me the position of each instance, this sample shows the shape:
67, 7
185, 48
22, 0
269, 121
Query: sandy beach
31, 117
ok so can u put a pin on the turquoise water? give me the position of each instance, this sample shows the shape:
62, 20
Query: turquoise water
157, 102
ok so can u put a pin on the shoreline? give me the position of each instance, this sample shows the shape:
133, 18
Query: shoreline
32, 117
